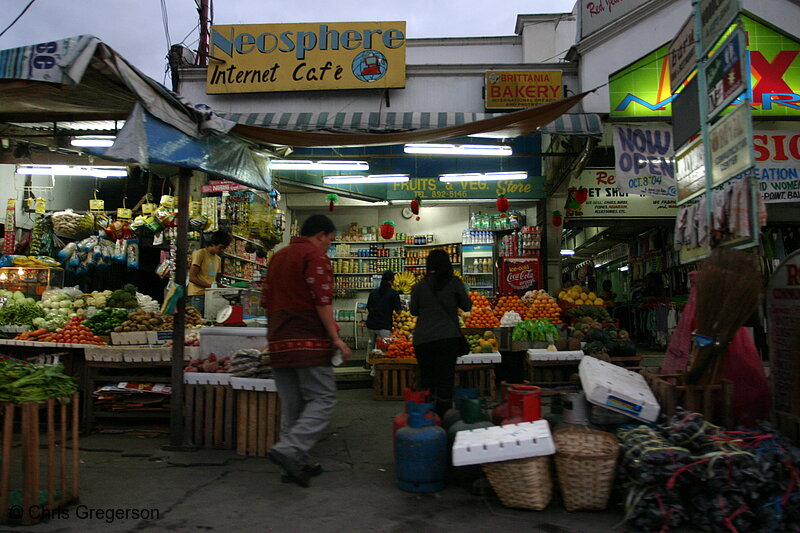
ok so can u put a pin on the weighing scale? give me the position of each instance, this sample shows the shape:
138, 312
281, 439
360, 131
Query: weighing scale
233, 313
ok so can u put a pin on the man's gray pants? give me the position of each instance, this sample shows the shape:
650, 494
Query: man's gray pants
308, 396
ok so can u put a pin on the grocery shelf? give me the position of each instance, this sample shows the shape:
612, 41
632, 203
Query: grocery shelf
433, 244
236, 277
373, 258
245, 239
481, 287
356, 273
369, 242
225, 254
477, 273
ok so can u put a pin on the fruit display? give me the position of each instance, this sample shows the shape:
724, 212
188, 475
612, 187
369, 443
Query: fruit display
474, 342
401, 348
510, 319
404, 282
211, 363
488, 343
403, 322
478, 300
104, 321
542, 305
577, 295
510, 303
193, 320
481, 317
74, 332
140, 321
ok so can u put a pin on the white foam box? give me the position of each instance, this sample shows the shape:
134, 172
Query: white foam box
224, 341
544, 355
479, 358
255, 384
144, 354
158, 337
503, 443
618, 389
101, 353
206, 378
127, 338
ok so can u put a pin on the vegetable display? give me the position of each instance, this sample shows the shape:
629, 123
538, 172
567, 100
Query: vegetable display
20, 382
20, 313
74, 332
104, 321
535, 330
124, 297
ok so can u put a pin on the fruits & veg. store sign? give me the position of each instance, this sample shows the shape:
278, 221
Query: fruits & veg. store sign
248, 58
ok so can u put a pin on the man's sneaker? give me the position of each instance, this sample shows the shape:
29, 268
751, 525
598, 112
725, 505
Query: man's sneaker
294, 470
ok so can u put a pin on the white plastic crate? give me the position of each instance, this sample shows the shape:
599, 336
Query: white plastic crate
145, 354
255, 384
100, 353
206, 378
618, 389
543, 355
226, 341
503, 443
479, 358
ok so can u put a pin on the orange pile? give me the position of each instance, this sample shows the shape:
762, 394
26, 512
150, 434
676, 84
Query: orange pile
544, 306
401, 348
510, 303
481, 317
478, 300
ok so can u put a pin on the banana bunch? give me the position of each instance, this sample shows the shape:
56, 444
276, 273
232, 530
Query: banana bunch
404, 281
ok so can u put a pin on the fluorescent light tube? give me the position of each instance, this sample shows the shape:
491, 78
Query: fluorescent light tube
97, 141
567, 252
298, 164
458, 149
623, 268
69, 170
372, 178
489, 176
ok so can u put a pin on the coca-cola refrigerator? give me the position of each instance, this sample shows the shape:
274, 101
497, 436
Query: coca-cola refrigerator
518, 275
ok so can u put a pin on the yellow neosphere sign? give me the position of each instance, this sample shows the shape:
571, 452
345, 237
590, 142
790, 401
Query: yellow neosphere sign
248, 58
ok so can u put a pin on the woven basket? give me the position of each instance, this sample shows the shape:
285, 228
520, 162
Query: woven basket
522, 483
586, 462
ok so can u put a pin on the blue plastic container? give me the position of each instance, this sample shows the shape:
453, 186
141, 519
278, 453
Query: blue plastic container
420, 452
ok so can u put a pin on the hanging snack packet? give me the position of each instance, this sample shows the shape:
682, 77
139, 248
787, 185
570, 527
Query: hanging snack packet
133, 254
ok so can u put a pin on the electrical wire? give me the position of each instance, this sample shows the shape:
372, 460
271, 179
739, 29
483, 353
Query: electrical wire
165, 20
183, 41
16, 19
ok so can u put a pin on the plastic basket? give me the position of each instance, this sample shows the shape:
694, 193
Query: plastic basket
586, 462
522, 483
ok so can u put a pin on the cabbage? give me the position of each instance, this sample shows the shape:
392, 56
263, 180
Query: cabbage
18, 296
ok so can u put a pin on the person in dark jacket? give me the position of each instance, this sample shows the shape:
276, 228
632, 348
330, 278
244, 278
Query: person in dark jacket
437, 337
380, 304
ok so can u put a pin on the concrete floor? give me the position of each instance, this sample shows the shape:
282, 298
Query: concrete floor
219, 491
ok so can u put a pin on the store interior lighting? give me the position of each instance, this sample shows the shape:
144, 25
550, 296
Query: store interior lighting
372, 178
488, 176
299, 164
567, 252
458, 149
70, 170
623, 268
94, 141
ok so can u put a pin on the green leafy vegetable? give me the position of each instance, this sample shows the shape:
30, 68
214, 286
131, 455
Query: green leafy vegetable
20, 314
20, 383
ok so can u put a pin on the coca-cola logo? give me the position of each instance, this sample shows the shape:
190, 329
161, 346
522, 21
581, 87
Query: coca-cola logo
521, 280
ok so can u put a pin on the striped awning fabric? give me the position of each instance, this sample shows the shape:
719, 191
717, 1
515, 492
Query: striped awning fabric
374, 122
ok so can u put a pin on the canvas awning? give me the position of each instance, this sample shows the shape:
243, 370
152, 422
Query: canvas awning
374, 122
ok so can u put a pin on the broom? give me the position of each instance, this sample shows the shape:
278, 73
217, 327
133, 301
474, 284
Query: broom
728, 288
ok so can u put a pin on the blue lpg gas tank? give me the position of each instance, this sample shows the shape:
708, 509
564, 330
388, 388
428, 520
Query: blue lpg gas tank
420, 452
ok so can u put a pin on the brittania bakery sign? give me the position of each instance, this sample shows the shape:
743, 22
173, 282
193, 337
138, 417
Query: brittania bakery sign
248, 58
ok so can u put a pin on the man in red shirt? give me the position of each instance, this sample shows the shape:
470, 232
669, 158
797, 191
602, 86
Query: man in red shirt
302, 335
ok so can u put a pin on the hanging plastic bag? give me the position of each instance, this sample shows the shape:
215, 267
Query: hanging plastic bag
120, 251
133, 254
67, 252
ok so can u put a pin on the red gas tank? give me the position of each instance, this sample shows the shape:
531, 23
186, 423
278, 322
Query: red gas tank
409, 396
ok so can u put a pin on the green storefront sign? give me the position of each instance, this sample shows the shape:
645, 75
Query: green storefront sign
643, 89
430, 188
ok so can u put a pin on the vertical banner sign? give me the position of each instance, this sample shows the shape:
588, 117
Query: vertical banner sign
645, 160
681, 55
690, 171
716, 16
783, 330
730, 148
725, 74
778, 165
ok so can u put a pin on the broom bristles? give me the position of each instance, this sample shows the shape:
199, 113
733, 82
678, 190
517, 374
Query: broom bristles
728, 288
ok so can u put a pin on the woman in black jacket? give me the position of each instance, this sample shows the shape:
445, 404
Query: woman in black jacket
438, 340
380, 304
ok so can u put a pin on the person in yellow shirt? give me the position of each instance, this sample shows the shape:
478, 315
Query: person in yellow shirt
205, 268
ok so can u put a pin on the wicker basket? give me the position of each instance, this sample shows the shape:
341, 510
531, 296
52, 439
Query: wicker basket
586, 463
522, 483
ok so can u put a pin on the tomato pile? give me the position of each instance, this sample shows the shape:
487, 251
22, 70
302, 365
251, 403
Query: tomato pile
74, 332
401, 348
